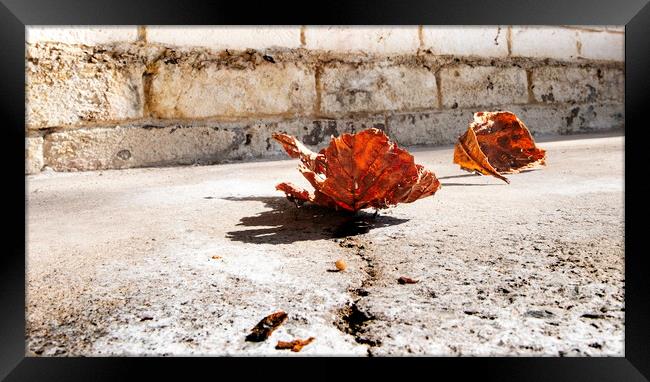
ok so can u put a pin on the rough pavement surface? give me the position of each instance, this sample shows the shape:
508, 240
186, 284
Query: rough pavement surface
180, 261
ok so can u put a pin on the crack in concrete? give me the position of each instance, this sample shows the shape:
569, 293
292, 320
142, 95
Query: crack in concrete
352, 319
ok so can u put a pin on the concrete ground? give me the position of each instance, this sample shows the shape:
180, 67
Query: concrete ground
186, 260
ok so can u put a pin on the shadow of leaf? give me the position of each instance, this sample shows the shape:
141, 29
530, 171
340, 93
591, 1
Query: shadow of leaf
285, 223
459, 176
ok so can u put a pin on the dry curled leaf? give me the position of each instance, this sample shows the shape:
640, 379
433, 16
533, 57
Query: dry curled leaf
295, 345
264, 328
407, 280
497, 143
357, 171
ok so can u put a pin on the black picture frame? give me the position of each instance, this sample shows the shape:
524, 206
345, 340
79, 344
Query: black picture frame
634, 14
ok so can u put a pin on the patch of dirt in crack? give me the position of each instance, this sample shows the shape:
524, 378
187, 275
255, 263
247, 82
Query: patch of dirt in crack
352, 318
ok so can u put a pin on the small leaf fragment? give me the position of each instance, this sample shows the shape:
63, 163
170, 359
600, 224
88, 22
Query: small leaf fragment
295, 345
266, 326
497, 143
407, 280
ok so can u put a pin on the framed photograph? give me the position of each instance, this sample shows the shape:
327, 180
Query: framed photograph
434, 183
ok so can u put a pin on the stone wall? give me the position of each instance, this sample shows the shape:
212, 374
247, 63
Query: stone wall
133, 96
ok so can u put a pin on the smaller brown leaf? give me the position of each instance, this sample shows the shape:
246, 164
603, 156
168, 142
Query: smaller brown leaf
407, 280
497, 143
264, 328
295, 345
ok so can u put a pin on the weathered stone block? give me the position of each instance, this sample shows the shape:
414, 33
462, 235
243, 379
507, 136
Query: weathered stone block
444, 127
143, 146
226, 37
577, 85
349, 89
82, 35
380, 40
485, 41
183, 90
591, 117
602, 45
429, 128
545, 42
465, 86
560, 119
124, 147
68, 87
33, 155
317, 134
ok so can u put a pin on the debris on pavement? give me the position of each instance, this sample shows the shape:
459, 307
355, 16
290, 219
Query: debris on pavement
295, 345
264, 328
407, 280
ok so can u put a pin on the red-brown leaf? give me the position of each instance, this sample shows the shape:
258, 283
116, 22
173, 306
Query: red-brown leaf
266, 326
407, 280
497, 143
295, 345
357, 171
